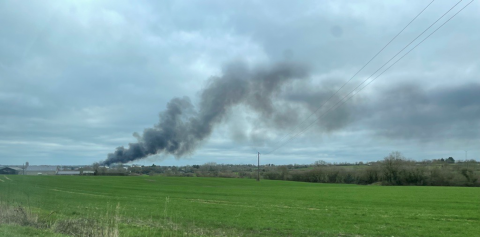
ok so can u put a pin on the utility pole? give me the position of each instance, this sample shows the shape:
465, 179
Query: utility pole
466, 159
258, 167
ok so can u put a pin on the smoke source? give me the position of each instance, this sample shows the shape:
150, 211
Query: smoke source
182, 127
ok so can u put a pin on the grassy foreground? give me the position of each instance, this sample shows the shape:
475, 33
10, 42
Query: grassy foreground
173, 206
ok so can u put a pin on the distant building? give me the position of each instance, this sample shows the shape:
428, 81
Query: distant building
88, 172
8, 170
68, 172
41, 170
18, 169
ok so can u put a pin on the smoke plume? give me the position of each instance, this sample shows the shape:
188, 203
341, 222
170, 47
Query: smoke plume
283, 94
182, 127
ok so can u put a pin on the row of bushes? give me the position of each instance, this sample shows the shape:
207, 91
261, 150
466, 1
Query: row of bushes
217, 174
393, 170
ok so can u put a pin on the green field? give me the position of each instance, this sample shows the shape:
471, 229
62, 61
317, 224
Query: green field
173, 206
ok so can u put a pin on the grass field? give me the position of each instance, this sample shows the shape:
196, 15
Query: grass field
172, 206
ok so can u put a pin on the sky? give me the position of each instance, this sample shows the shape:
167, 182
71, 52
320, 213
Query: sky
80, 78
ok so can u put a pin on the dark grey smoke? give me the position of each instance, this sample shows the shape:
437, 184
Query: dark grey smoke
182, 128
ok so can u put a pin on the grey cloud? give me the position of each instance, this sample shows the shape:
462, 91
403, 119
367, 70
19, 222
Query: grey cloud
94, 72
412, 112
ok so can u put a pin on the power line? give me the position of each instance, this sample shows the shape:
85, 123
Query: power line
409, 50
381, 50
342, 101
287, 140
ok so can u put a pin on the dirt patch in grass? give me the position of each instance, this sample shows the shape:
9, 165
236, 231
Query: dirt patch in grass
83, 227
21, 216
170, 228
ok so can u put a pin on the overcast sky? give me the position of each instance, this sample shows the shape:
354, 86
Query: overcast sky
78, 78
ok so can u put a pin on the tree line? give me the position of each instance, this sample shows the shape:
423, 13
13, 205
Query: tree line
394, 169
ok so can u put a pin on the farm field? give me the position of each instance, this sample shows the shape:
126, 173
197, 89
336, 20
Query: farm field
185, 206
